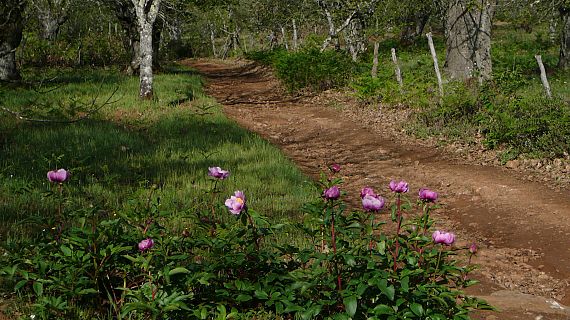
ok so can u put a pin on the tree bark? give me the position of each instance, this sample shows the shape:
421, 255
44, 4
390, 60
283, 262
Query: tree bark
147, 11
468, 31
564, 57
295, 36
414, 27
11, 27
51, 15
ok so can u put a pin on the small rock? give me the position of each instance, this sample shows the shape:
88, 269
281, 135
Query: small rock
513, 164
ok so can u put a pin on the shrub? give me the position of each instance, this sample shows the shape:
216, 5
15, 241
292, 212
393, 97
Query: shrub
349, 264
309, 68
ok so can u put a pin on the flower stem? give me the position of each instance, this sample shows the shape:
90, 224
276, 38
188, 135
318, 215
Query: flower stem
399, 221
254, 230
333, 239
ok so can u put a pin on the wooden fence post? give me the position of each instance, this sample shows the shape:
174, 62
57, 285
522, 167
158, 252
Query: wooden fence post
543, 76
374, 72
397, 67
435, 64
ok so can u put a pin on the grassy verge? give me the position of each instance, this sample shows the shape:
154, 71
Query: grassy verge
120, 153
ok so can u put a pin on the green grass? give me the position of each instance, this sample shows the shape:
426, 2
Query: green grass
118, 154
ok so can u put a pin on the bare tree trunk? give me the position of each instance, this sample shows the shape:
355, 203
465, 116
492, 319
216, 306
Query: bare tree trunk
564, 57
468, 30
284, 38
355, 38
147, 11
295, 36
11, 27
213, 40
51, 15
414, 27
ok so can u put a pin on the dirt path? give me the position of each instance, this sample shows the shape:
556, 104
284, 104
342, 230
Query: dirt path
522, 227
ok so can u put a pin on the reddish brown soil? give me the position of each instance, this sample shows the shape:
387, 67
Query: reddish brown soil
521, 226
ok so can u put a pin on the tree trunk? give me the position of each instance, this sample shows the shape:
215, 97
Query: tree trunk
127, 16
284, 38
564, 58
213, 40
355, 38
295, 36
468, 31
147, 12
11, 27
51, 15
414, 27
156, 37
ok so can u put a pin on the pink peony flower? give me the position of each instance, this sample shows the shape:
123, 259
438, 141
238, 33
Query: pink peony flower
218, 173
58, 176
399, 187
332, 193
372, 203
427, 195
473, 248
236, 203
335, 167
446, 238
146, 244
367, 191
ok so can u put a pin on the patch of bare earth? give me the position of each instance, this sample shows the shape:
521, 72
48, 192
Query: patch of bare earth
519, 216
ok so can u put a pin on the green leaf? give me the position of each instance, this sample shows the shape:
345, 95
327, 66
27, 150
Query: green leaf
178, 271
405, 284
260, 294
351, 303
66, 251
20, 284
383, 309
387, 291
38, 288
417, 309
87, 291
222, 313
243, 297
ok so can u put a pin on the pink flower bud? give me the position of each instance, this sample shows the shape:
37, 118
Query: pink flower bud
335, 167
58, 176
146, 244
372, 203
399, 187
446, 238
427, 195
332, 193
218, 173
473, 248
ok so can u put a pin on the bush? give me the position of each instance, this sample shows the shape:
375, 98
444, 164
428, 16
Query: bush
308, 69
347, 265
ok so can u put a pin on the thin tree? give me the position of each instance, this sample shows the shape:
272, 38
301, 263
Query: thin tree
147, 11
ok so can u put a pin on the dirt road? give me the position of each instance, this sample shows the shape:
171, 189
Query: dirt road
522, 227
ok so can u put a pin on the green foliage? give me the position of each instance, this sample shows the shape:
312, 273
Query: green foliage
229, 266
510, 111
309, 69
